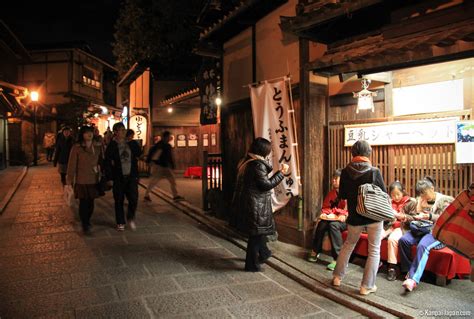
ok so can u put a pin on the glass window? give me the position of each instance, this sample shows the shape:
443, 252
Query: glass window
90, 77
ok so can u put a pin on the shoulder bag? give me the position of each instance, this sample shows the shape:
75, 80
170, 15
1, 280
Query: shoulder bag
373, 202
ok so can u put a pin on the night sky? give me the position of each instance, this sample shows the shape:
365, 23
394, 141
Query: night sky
47, 22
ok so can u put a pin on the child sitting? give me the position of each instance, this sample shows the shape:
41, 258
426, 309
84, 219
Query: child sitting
332, 220
404, 207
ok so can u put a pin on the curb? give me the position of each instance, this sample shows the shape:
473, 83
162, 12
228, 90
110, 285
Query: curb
340, 295
13, 189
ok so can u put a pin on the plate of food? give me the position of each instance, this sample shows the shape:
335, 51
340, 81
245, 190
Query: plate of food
328, 217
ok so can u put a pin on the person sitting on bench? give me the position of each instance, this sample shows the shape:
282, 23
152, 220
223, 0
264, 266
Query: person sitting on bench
331, 221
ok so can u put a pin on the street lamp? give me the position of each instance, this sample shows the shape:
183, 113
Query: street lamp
34, 96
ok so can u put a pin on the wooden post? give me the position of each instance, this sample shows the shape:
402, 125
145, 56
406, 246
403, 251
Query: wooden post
204, 181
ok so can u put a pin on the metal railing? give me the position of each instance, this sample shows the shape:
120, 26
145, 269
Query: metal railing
211, 176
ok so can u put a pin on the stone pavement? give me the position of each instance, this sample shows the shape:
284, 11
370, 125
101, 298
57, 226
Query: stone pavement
170, 267
9, 177
457, 296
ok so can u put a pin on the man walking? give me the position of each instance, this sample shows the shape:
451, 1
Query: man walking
121, 168
161, 156
64, 144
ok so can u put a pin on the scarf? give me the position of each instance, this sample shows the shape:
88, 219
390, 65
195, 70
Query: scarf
360, 159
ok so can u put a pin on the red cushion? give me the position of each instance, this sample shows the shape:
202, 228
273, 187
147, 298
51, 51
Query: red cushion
443, 262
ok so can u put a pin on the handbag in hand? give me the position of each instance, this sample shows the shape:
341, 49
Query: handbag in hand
420, 228
455, 226
374, 203
103, 186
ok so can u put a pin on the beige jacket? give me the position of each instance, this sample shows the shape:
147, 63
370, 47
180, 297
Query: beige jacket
83, 165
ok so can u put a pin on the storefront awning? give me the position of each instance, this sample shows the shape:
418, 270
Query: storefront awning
10, 97
384, 51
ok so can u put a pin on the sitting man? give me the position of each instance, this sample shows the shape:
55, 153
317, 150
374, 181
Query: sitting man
332, 220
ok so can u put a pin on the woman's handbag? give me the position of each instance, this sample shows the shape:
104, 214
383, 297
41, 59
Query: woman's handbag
455, 226
103, 186
374, 203
420, 228
69, 196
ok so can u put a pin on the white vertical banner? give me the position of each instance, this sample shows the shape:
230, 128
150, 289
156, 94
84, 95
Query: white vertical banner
271, 120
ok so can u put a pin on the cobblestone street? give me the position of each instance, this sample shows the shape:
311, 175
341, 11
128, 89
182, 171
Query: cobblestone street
171, 266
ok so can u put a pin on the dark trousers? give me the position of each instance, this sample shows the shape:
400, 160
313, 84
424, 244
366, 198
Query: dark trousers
49, 153
125, 187
63, 178
334, 229
86, 208
257, 251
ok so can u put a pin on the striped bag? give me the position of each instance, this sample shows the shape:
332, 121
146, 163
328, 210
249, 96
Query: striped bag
455, 226
374, 203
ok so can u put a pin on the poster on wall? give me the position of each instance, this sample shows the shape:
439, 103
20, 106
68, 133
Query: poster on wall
213, 139
436, 131
181, 140
464, 142
205, 139
193, 140
172, 141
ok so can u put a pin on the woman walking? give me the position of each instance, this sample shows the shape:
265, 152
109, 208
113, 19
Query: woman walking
83, 173
253, 196
360, 171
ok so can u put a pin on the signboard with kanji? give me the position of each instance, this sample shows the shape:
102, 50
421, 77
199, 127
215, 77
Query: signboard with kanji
435, 131
138, 123
210, 86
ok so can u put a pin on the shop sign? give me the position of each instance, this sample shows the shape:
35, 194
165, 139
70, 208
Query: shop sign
464, 142
138, 123
271, 120
210, 87
435, 131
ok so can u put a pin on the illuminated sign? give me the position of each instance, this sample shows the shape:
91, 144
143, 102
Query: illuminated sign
435, 131
138, 123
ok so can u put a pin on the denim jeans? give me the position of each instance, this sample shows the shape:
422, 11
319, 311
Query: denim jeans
417, 266
374, 232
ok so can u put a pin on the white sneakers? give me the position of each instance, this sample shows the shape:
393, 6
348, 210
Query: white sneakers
132, 225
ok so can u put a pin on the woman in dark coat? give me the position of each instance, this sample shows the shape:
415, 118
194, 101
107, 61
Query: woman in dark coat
253, 198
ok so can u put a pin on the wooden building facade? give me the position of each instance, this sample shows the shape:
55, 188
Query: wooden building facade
13, 97
409, 51
71, 83
328, 47
170, 105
